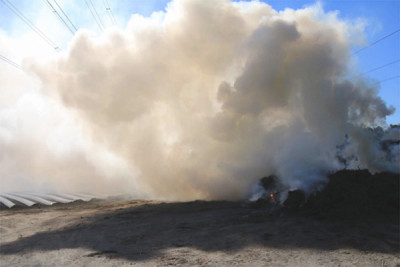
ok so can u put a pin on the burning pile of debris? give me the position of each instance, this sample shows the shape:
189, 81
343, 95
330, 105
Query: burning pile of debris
349, 194
267, 193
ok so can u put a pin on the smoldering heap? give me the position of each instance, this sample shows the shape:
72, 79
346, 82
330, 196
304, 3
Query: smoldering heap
347, 194
200, 101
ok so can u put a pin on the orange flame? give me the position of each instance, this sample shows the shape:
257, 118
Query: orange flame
272, 197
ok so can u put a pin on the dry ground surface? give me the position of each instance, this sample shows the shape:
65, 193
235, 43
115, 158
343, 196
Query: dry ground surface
150, 233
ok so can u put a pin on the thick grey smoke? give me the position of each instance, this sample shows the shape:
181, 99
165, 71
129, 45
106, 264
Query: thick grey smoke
204, 99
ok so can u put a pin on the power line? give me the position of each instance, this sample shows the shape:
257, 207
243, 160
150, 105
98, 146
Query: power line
94, 16
378, 68
95, 11
58, 15
9, 61
29, 23
390, 78
377, 41
76, 29
108, 8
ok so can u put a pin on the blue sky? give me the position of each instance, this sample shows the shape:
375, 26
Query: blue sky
380, 17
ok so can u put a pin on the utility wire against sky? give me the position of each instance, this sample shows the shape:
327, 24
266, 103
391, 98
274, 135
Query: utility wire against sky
377, 41
75, 28
98, 16
94, 13
15, 10
111, 15
59, 16
380, 67
390, 78
376, 68
101, 26
9, 61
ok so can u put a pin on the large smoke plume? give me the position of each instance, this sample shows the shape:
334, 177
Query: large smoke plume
199, 101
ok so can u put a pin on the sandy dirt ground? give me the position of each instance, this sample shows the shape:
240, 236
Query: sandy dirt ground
150, 233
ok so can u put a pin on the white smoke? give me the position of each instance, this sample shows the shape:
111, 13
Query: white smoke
199, 101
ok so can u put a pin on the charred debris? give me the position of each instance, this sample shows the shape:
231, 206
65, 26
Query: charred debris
348, 194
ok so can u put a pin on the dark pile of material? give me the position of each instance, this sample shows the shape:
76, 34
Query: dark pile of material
351, 194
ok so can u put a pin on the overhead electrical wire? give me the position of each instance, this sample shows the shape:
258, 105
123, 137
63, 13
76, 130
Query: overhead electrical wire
99, 24
389, 79
377, 68
72, 24
97, 18
384, 65
380, 67
377, 41
15, 10
9, 61
59, 16
110, 13
95, 11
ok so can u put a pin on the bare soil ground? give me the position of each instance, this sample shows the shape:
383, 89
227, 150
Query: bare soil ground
199, 233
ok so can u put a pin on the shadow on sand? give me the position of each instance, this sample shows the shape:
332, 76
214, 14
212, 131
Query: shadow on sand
142, 232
